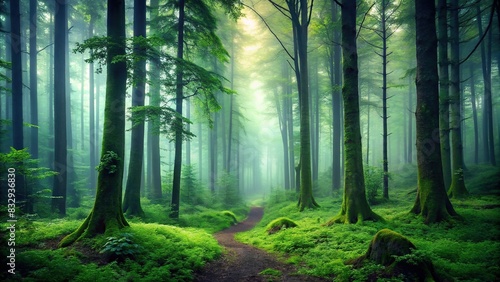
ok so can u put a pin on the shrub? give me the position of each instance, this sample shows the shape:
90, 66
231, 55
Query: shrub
374, 177
120, 248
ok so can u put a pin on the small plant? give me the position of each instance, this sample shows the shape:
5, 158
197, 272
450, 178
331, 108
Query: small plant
120, 248
270, 272
373, 183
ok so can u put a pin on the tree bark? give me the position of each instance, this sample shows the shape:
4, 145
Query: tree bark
92, 129
179, 96
457, 188
60, 115
106, 215
132, 200
155, 99
336, 104
432, 203
355, 207
444, 90
33, 79
474, 113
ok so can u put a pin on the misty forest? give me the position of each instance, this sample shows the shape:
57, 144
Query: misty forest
250, 140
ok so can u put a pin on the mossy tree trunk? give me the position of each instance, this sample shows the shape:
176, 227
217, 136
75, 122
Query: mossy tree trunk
299, 14
354, 204
132, 200
432, 201
106, 215
457, 188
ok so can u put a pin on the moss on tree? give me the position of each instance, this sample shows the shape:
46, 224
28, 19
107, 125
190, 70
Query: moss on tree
106, 216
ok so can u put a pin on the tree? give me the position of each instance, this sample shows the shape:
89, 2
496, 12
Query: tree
355, 207
106, 215
59, 191
155, 100
444, 91
132, 200
432, 202
457, 188
335, 80
179, 97
33, 79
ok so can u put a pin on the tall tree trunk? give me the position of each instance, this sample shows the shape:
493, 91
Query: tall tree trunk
457, 188
132, 200
474, 113
33, 79
300, 22
385, 134
432, 203
355, 207
17, 74
444, 90
179, 97
92, 129
336, 104
107, 216
486, 68
489, 103
155, 100
410, 122
60, 115
17, 90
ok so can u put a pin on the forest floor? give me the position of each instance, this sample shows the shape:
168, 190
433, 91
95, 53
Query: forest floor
241, 262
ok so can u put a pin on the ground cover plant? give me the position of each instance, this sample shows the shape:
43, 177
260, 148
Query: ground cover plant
467, 249
155, 248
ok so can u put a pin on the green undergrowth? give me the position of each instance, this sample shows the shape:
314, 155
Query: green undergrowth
154, 248
155, 253
466, 249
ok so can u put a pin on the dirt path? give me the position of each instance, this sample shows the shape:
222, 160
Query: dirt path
242, 262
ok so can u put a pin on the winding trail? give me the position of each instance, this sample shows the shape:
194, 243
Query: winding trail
242, 262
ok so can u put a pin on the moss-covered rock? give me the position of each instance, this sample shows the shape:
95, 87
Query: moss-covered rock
398, 256
280, 223
231, 215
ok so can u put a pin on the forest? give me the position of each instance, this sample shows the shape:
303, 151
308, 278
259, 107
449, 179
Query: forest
250, 140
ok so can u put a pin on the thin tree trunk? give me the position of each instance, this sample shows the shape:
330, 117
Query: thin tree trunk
33, 79
474, 113
92, 129
179, 97
132, 200
444, 90
155, 100
457, 188
336, 105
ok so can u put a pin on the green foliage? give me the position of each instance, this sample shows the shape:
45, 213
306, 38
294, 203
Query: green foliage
120, 248
228, 193
192, 193
231, 215
109, 162
374, 177
467, 250
23, 163
270, 272
167, 253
